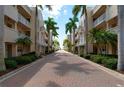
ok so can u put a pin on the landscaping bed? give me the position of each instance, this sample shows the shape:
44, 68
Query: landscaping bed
17, 62
109, 61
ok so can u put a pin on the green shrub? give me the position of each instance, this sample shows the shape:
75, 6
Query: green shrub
110, 63
97, 58
10, 63
33, 57
20, 60
87, 56
81, 55
23, 60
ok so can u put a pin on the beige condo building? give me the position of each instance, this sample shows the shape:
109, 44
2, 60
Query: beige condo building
100, 17
106, 17
20, 21
80, 35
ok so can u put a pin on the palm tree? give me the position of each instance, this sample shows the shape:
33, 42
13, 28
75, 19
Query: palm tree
102, 37
54, 32
36, 23
56, 44
23, 41
83, 9
74, 26
51, 26
70, 27
67, 44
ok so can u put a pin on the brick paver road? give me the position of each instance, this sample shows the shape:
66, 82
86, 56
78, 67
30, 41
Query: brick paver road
62, 69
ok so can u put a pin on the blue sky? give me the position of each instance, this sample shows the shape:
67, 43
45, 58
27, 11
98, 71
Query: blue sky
61, 14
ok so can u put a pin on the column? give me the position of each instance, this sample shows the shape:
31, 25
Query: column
2, 64
121, 38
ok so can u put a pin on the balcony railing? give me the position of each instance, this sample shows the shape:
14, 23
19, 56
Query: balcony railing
10, 34
99, 19
115, 29
22, 35
23, 20
28, 8
96, 8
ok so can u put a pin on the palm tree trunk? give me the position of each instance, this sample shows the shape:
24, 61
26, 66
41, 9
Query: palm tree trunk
2, 64
36, 44
86, 33
121, 37
48, 41
73, 40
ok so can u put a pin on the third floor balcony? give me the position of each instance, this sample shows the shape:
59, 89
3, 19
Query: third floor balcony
23, 20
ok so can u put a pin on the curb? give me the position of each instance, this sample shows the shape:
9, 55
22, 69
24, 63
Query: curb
14, 72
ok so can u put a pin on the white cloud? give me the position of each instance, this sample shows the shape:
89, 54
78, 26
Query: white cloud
65, 12
56, 9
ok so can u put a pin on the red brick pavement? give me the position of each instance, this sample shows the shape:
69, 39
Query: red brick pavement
62, 69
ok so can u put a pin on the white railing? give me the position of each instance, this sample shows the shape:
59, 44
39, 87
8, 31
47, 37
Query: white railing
100, 19
115, 29
96, 8
10, 34
23, 20
10, 29
28, 8
22, 35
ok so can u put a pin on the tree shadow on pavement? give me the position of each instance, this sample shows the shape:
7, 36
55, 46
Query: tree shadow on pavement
63, 68
21, 78
52, 84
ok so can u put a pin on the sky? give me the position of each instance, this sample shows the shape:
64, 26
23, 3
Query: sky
61, 14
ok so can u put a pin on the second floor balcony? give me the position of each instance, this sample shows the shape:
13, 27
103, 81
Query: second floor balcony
114, 29
10, 34
99, 20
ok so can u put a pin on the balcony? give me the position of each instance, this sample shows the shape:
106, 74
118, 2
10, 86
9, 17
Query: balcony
99, 20
27, 8
10, 35
23, 20
11, 12
111, 12
22, 35
96, 8
115, 29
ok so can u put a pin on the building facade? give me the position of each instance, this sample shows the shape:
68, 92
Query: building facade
100, 17
19, 21
80, 35
106, 17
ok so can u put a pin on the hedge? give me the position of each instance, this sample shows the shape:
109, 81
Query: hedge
110, 63
10, 64
20, 60
97, 58
107, 61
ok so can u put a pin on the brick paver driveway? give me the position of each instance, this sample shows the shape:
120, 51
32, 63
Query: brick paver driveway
62, 69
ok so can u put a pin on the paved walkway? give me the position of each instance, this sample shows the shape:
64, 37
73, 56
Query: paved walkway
62, 69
